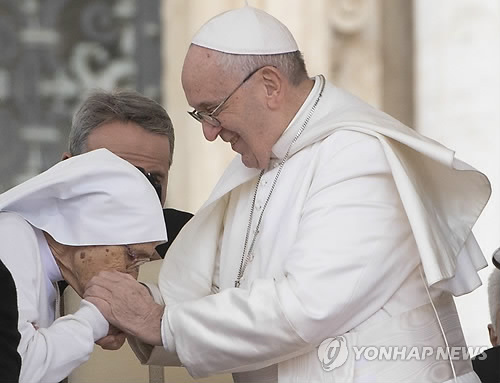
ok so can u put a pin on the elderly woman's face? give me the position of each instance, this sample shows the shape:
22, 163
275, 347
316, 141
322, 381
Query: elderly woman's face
90, 260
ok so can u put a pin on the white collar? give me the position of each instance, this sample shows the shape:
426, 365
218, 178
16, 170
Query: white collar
49, 263
281, 146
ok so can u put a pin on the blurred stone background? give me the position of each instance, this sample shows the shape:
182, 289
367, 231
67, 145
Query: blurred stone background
51, 53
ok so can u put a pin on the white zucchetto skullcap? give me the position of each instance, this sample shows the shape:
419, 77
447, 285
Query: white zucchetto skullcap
245, 31
95, 198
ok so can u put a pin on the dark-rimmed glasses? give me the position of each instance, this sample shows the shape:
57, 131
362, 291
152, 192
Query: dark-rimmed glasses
139, 258
496, 258
134, 254
210, 117
153, 180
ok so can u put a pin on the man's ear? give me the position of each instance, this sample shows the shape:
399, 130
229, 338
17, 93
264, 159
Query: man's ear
65, 156
493, 335
273, 81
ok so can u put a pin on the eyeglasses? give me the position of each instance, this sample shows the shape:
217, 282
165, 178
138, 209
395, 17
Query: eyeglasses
496, 258
130, 252
153, 180
139, 258
210, 118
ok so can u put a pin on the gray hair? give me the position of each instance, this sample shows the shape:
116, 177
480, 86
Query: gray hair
290, 64
121, 105
494, 295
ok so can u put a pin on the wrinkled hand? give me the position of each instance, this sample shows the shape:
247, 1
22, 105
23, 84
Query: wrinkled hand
126, 304
114, 340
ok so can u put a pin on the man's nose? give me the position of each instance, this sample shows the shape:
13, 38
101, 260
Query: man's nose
210, 132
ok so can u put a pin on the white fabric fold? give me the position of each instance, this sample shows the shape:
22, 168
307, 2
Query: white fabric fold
95, 198
91, 314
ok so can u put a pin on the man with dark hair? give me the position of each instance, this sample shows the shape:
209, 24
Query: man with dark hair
137, 129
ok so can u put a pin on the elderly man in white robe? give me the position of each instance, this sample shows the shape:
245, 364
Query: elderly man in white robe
334, 222
90, 213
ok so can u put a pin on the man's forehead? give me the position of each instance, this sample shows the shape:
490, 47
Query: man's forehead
205, 82
203, 65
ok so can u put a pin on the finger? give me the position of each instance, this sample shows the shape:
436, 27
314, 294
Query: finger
106, 276
113, 330
112, 342
115, 276
109, 279
98, 291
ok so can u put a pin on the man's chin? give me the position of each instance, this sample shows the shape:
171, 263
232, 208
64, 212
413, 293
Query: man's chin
252, 163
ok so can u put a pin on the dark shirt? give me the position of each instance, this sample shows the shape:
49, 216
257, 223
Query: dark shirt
175, 220
10, 360
487, 365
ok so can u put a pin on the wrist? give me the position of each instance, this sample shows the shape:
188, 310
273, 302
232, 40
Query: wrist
150, 331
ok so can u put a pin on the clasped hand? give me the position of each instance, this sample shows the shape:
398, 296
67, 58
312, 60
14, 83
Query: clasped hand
127, 305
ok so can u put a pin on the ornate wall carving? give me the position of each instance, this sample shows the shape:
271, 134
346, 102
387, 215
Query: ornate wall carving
54, 51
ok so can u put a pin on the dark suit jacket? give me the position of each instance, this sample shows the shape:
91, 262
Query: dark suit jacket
175, 220
10, 360
487, 365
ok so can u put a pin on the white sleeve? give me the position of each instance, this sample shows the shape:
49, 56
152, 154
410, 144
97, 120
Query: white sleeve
50, 354
49, 351
351, 254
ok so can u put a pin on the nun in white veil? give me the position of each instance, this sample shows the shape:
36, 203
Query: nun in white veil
89, 213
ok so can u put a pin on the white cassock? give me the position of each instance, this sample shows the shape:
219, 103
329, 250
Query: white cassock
91, 199
365, 215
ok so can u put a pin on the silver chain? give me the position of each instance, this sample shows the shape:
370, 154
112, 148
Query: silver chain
247, 257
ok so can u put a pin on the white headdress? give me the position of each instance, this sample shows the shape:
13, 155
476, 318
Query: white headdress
95, 198
246, 31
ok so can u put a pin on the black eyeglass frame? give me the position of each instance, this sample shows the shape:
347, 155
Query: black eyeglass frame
153, 180
495, 258
211, 118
